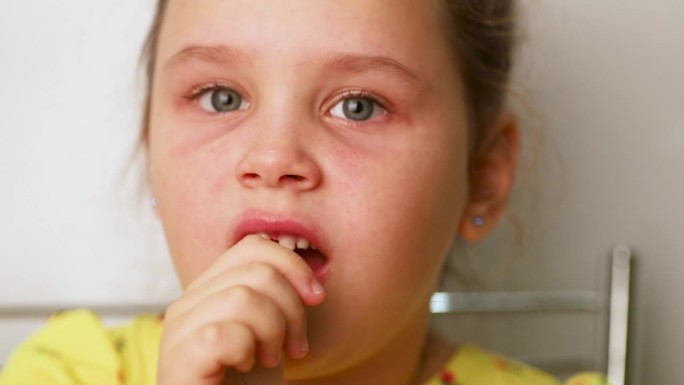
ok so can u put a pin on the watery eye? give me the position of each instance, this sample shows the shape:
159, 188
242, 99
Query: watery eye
357, 108
222, 100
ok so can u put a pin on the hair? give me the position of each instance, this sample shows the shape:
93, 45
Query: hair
482, 35
148, 59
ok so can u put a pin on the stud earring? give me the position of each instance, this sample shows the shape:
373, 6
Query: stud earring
479, 221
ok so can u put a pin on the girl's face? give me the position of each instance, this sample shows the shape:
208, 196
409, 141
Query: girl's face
346, 118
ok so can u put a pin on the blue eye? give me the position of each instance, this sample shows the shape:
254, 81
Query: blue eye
357, 108
222, 100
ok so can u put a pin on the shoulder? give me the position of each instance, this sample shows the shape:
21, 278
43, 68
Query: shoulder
471, 365
76, 347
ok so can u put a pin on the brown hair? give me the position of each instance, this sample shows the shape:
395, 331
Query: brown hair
481, 31
149, 59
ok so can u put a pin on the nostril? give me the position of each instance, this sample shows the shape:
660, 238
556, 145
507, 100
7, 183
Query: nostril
251, 176
296, 178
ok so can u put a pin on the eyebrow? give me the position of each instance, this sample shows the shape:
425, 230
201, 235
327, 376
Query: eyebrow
209, 53
360, 63
348, 62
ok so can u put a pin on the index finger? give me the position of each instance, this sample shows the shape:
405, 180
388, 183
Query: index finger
255, 249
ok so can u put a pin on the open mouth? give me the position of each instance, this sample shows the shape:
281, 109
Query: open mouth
313, 257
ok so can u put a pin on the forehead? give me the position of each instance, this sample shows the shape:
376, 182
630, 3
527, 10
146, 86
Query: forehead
406, 30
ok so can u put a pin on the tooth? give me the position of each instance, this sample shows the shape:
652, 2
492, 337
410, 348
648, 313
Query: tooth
302, 244
313, 247
287, 241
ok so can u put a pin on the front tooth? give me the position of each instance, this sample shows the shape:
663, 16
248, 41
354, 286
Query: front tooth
287, 241
302, 244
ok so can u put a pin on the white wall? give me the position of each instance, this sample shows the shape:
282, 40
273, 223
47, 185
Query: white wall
606, 83
603, 78
71, 233
607, 78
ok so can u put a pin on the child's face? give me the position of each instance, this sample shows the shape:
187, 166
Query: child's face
384, 193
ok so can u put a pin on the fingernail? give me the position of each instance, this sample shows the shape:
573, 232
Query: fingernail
305, 347
316, 287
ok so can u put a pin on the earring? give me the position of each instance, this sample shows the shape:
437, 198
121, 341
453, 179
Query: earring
479, 221
153, 202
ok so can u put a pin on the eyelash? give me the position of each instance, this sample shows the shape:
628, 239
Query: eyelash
199, 91
368, 95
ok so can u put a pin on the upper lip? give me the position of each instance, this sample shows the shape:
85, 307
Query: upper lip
275, 225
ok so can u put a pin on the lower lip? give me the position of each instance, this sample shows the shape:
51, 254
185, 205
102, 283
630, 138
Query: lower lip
319, 265
322, 273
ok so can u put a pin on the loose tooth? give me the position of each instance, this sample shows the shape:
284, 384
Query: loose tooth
287, 241
302, 244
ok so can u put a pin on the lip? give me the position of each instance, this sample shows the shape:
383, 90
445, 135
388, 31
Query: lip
253, 222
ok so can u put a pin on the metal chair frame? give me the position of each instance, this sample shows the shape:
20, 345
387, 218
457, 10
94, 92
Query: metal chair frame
562, 301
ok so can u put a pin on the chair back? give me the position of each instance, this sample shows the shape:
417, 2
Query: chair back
615, 310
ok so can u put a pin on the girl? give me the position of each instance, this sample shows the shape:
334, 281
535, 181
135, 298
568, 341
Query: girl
312, 162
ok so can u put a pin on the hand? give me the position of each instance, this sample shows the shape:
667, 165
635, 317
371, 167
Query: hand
239, 317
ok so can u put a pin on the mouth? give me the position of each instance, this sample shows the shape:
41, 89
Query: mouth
302, 247
291, 234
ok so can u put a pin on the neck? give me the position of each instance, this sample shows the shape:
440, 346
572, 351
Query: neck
400, 362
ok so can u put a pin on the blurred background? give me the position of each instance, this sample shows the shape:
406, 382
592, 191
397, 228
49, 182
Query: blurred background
599, 87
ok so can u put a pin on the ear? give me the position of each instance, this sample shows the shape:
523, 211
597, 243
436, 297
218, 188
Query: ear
493, 171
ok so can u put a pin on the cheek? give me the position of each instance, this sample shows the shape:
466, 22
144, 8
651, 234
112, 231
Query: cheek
402, 207
189, 186
398, 217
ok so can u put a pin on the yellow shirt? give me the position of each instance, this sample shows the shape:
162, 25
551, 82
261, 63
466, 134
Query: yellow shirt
76, 348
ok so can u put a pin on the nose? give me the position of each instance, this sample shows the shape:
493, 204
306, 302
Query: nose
278, 164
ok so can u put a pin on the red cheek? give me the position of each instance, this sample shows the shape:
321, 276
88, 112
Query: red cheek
346, 169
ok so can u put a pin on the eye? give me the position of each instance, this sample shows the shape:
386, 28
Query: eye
221, 100
358, 108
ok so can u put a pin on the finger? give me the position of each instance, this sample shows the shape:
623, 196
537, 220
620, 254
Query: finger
265, 376
270, 283
254, 248
202, 357
237, 304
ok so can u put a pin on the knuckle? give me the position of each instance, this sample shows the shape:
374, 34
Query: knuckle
240, 295
210, 335
238, 351
262, 272
242, 352
215, 341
